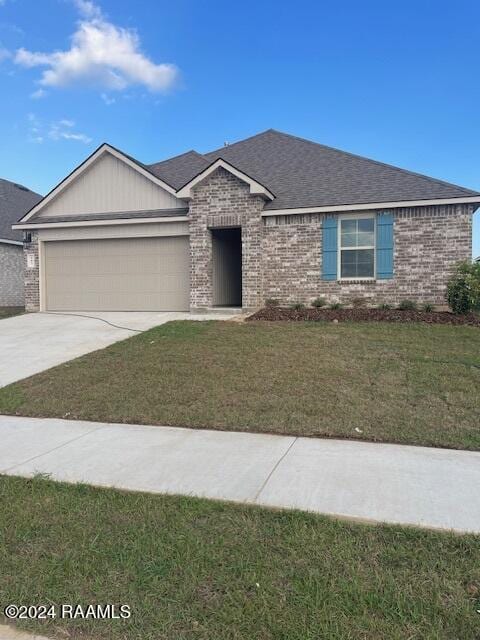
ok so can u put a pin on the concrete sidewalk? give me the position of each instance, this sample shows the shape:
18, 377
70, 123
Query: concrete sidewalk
8, 632
379, 482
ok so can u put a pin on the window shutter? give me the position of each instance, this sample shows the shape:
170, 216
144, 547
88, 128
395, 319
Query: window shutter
384, 246
329, 248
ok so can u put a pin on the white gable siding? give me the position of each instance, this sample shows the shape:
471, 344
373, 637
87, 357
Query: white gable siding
109, 185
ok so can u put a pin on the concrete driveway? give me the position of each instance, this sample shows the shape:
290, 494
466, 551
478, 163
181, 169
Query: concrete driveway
34, 342
361, 480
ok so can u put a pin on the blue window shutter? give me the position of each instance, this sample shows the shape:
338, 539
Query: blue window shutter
329, 248
384, 246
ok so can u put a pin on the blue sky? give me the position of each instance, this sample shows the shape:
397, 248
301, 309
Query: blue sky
397, 82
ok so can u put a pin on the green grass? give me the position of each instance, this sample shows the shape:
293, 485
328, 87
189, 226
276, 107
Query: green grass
197, 569
7, 312
408, 383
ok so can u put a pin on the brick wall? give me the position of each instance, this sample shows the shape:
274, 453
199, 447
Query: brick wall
428, 242
11, 275
224, 200
32, 281
282, 255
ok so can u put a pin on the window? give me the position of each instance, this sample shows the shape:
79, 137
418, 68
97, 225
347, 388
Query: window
357, 248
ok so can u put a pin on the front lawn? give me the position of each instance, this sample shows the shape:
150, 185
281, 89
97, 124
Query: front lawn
204, 570
7, 312
407, 383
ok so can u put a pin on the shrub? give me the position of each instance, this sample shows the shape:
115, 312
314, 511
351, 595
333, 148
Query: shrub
385, 306
428, 307
358, 303
335, 305
463, 288
297, 306
407, 305
271, 302
319, 302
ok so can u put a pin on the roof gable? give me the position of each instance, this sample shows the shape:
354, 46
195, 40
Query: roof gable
256, 188
108, 181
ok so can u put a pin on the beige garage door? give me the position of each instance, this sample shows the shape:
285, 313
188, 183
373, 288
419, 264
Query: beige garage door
128, 274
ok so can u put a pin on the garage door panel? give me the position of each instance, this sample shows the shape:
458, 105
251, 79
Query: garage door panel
110, 263
117, 275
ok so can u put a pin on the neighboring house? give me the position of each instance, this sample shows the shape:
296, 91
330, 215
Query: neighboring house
15, 201
272, 216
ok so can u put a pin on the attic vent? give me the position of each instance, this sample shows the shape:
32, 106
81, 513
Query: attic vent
20, 186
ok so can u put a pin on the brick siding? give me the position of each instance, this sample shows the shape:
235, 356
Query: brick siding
32, 280
282, 255
428, 241
223, 200
11, 275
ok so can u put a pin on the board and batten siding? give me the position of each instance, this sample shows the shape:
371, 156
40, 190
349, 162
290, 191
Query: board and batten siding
109, 185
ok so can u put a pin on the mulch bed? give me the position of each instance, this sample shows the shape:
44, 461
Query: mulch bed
364, 315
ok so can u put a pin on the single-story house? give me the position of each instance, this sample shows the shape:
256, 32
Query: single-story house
272, 216
15, 201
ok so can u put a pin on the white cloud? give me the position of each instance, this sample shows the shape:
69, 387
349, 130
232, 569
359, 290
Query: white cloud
107, 99
28, 59
88, 9
34, 129
62, 130
80, 137
34, 122
58, 130
101, 54
39, 93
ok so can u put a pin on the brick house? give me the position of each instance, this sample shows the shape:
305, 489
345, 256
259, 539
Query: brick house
272, 216
15, 200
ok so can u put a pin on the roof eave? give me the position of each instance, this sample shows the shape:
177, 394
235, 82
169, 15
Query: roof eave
38, 224
475, 200
256, 188
9, 241
103, 148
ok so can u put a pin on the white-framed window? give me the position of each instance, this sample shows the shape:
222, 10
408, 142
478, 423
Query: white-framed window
356, 247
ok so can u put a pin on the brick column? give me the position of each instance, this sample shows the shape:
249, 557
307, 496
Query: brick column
32, 278
222, 197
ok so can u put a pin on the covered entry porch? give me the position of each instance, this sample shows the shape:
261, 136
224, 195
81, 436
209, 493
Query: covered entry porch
226, 267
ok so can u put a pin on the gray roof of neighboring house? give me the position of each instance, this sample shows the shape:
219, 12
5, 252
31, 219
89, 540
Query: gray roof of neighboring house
15, 201
301, 173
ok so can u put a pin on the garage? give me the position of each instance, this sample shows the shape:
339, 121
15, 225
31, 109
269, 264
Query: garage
118, 274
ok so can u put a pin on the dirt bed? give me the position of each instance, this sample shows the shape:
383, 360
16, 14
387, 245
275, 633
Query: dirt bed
364, 315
